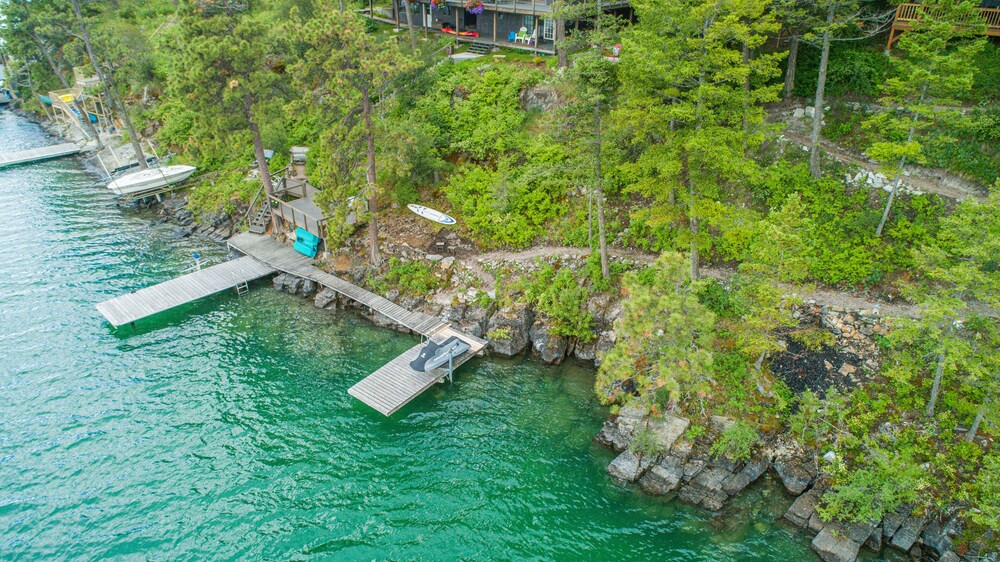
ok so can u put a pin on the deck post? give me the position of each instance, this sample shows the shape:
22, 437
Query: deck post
494, 28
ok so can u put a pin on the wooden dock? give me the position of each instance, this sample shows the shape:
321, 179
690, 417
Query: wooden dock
395, 384
38, 154
285, 259
181, 290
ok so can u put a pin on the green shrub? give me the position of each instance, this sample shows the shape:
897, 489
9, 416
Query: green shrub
857, 69
814, 339
873, 489
409, 278
737, 442
645, 444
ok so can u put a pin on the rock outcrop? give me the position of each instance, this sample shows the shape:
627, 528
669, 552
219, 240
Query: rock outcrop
551, 348
509, 329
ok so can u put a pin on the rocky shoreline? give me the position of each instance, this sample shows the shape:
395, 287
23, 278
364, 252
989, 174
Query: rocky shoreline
686, 471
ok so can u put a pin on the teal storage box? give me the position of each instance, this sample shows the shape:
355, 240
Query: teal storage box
306, 243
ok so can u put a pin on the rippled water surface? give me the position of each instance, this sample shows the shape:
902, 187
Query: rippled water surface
223, 430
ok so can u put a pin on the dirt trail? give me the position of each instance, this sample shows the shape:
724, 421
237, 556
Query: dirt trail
927, 180
823, 297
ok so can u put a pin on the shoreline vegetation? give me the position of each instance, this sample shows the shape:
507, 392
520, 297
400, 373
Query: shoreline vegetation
796, 274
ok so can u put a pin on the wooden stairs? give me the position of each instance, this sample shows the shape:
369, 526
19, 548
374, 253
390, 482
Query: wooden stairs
480, 48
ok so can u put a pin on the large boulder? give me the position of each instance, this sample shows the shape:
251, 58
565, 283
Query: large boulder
748, 475
326, 299
618, 431
796, 474
605, 341
663, 477
834, 545
509, 329
666, 430
550, 347
629, 466
705, 489
908, 533
803, 508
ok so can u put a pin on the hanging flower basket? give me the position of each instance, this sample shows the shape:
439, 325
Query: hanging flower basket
436, 4
474, 6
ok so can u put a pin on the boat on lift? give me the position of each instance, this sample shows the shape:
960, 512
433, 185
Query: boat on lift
148, 180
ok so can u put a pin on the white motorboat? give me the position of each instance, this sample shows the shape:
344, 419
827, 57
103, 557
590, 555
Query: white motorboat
148, 180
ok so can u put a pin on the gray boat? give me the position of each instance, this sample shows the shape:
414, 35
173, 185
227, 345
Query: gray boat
435, 355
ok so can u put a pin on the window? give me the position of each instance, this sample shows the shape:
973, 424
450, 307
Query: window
549, 29
529, 22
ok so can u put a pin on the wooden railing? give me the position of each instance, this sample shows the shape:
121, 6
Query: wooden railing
906, 13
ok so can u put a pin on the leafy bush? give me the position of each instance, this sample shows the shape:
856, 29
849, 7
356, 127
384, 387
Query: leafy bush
737, 442
645, 444
854, 69
870, 491
561, 297
510, 206
409, 278
815, 339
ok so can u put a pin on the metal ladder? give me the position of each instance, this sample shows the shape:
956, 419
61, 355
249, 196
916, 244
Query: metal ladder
242, 288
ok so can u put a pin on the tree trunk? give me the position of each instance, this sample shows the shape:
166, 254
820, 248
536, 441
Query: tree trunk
936, 387
817, 125
109, 87
971, 435
902, 165
692, 215
746, 92
258, 145
409, 27
793, 56
560, 31
366, 109
759, 364
601, 232
87, 125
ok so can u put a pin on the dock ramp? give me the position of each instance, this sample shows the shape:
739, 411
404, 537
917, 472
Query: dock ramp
182, 290
38, 154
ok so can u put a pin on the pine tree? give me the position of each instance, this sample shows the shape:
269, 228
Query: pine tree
691, 100
663, 351
349, 71
934, 72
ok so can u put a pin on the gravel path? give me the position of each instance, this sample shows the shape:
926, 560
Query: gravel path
827, 297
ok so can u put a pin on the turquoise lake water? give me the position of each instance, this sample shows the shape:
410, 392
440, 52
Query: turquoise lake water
223, 430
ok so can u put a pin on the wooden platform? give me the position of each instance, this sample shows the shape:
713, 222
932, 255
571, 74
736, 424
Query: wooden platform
38, 154
187, 288
284, 258
395, 384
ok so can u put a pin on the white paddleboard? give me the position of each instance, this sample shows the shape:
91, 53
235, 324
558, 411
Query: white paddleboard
431, 214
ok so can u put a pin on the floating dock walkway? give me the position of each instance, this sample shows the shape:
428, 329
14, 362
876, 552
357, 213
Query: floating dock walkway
38, 154
386, 390
395, 384
187, 288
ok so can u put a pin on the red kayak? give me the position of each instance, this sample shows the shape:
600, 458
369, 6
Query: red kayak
460, 33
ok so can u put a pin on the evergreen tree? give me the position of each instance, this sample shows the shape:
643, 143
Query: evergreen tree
229, 65
691, 100
663, 352
935, 70
349, 71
